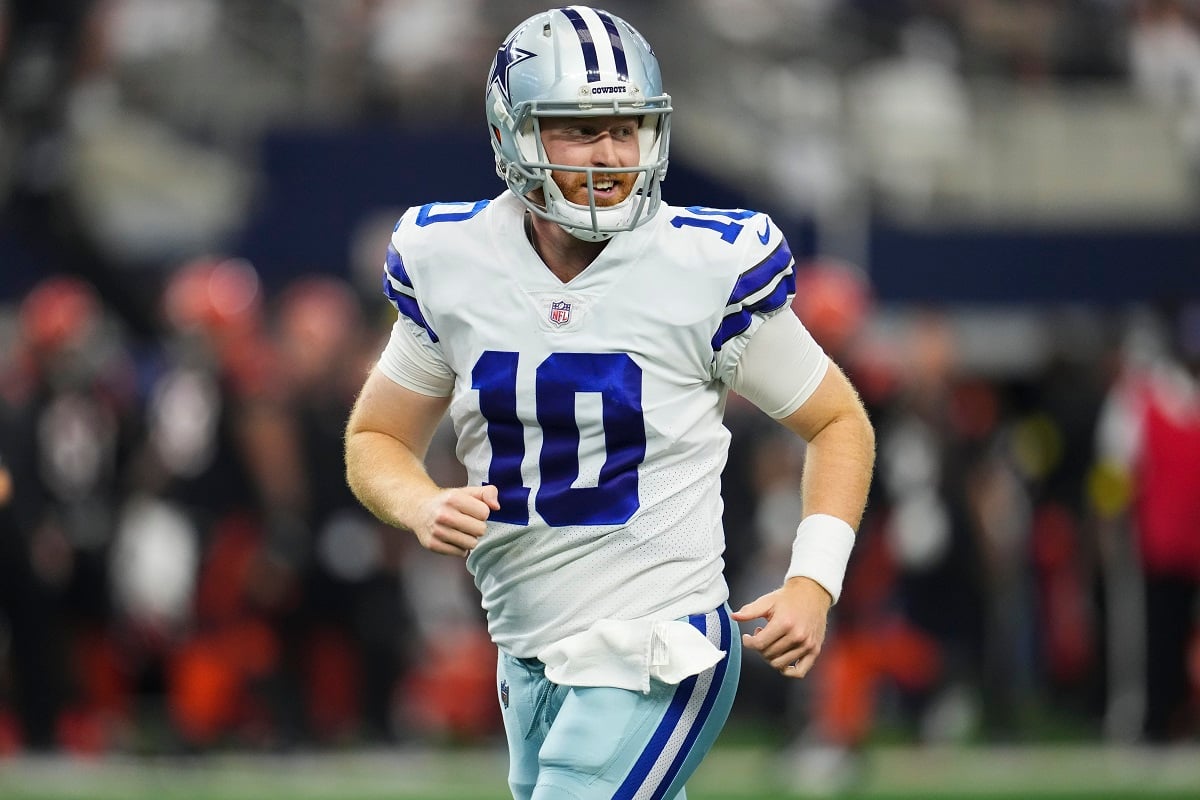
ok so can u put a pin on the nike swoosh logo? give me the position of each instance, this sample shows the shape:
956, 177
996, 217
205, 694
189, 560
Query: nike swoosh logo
766, 233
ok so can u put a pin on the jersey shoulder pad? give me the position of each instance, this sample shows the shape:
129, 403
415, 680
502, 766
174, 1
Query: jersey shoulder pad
728, 238
438, 225
417, 242
747, 252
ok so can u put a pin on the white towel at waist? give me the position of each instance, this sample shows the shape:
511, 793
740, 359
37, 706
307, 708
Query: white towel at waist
626, 654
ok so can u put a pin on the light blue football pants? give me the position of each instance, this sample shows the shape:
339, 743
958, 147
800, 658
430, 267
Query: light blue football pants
594, 743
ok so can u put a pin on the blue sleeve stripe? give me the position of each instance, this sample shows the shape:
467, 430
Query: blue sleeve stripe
408, 307
762, 274
395, 266
731, 326
738, 321
398, 288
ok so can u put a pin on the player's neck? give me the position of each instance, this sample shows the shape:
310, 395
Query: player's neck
563, 254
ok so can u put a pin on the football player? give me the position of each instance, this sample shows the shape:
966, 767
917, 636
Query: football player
583, 336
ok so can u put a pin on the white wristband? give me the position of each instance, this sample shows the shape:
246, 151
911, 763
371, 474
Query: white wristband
821, 551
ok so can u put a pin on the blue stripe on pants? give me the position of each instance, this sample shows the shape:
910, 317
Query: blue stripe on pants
596, 743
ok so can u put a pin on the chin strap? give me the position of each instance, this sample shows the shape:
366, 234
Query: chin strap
577, 220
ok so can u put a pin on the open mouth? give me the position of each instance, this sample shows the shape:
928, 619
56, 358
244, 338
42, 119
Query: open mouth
607, 189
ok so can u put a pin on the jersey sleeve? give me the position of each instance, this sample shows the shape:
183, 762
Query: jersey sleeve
413, 356
764, 286
398, 285
781, 366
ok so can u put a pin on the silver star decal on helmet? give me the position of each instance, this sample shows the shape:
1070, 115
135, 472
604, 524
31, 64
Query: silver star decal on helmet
507, 57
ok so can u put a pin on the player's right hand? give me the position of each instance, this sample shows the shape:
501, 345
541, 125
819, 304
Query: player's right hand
452, 520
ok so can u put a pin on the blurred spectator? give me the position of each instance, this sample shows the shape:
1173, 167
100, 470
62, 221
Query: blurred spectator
351, 631
1149, 437
1164, 60
69, 403
53, 52
1051, 439
30, 665
213, 456
914, 116
1164, 52
999, 508
416, 47
924, 468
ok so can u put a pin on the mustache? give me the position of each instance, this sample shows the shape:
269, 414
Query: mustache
577, 182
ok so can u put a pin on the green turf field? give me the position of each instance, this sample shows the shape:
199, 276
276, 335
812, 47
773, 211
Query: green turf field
898, 773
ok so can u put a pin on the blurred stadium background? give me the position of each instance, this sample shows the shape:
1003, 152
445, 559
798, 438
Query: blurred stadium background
995, 207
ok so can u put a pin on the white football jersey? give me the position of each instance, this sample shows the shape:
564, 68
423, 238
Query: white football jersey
594, 406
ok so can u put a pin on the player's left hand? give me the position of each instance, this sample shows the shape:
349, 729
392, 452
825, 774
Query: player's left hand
796, 616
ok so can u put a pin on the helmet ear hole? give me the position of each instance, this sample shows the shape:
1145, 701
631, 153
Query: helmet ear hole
496, 132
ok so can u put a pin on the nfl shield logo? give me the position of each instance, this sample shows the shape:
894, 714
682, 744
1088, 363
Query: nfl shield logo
504, 693
560, 312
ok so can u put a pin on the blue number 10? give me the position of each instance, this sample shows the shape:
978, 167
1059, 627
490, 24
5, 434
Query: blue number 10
618, 381
705, 218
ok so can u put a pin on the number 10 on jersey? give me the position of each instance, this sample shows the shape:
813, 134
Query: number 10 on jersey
617, 379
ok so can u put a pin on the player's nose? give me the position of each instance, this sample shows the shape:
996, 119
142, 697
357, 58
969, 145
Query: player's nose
604, 151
